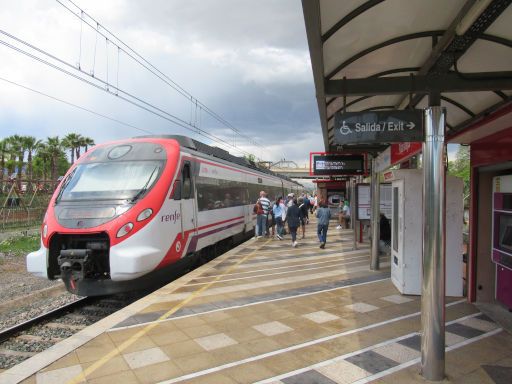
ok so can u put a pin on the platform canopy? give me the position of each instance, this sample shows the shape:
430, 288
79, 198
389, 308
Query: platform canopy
384, 55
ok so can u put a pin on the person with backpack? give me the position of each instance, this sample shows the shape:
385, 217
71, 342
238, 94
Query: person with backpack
294, 216
323, 213
257, 210
261, 209
304, 215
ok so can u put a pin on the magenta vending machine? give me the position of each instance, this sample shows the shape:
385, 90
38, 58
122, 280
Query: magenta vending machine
502, 237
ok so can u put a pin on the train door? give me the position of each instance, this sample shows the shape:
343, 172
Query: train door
188, 202
248, 212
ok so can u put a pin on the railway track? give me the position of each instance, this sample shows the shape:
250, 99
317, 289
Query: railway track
33, 336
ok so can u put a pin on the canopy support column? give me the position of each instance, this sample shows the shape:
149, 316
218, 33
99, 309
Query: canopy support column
352, 205
433, 285
375, 217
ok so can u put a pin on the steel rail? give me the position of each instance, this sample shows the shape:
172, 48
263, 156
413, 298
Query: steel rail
9, 332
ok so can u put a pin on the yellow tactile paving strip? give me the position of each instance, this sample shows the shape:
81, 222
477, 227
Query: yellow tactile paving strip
269, 312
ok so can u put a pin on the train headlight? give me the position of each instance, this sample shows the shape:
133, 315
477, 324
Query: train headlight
124, 230
45, 231
145, 214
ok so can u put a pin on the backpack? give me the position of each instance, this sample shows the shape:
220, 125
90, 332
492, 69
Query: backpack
258, 209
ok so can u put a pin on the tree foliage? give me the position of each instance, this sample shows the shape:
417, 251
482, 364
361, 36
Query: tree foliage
250, 157
28, 157
461, 167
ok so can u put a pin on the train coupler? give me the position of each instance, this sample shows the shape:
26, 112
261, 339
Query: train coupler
73, 263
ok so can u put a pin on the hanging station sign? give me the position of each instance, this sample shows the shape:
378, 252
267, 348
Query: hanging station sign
378, 127
396, 153
331, 164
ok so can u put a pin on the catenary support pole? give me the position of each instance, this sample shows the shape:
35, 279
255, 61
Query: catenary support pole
352, 205
375, 218
433, 285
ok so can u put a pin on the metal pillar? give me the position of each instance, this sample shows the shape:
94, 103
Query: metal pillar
375, 218
433, 286
353, 211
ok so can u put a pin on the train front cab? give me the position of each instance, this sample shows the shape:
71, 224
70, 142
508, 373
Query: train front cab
489, 269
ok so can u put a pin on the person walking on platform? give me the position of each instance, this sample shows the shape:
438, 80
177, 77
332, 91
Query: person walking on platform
340, 215
294, 217
304, 216
345, 211
305, 201
290, 198
271, 221
279, 216
315, 203
323, 213
261, 218
311, 203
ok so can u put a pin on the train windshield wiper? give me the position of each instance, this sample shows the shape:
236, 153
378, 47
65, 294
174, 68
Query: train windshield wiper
144, 188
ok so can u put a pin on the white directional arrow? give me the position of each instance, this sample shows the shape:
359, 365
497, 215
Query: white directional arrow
410, 125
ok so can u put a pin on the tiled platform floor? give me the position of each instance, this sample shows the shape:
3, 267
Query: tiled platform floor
266, 312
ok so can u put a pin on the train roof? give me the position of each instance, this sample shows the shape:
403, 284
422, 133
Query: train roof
220, 153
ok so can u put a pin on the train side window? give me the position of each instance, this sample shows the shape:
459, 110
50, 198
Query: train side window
186, 190
177, 190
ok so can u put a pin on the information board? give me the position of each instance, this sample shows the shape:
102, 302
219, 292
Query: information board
363, 201
338, 164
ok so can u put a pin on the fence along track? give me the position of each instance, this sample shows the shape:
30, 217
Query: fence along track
23, 203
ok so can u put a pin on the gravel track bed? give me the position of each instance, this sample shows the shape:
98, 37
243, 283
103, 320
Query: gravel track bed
15, 281
41, 336
21, 314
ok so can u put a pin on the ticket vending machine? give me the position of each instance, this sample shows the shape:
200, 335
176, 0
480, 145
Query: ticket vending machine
407, 231
502, 237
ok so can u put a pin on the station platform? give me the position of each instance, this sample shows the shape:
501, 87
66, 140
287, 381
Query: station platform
265, 312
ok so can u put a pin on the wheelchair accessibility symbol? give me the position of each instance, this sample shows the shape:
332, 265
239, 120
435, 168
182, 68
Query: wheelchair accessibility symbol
345, 129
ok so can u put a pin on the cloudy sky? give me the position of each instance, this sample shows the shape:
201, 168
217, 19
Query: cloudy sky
248, 61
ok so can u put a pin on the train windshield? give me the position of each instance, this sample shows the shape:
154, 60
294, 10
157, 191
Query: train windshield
120, 180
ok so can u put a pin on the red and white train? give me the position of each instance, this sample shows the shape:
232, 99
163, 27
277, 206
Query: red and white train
136, 211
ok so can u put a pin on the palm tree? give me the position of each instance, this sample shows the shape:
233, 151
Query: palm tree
17, 150
31, 144
4, 151
88, 142
54, 149
71, 141
79, 145
44, 155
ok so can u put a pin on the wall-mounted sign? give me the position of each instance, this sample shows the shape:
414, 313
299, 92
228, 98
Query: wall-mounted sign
336, 164
363, 201
378, 126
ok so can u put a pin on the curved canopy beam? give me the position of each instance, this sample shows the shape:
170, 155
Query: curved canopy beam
395, 40
348, 18
378, 108
497, 39
458, 105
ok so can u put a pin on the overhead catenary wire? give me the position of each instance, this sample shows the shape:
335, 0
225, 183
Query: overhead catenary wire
126, 49
138, 102
76, 106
